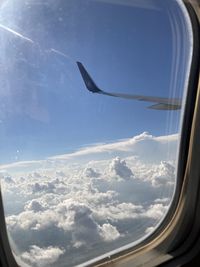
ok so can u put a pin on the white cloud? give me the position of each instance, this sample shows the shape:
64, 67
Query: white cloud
121, 211
92, 197
162, 200
109, 232
42, 257
90, 172
30, 220
118, 167
164, 175
48, 187
156, 211
8, 179
34, 205
164, 148
149, 230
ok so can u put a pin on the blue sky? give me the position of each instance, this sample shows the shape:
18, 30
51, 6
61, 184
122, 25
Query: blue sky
46, 109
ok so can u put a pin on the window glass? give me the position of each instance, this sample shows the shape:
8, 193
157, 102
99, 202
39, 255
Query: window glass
89, 149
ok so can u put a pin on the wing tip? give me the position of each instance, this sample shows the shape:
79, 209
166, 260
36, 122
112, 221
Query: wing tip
89, 83
163, 106
79, 63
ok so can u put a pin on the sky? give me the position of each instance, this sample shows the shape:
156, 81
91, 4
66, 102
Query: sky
46, 109
89, 174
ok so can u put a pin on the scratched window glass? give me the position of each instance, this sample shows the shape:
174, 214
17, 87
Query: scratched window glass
91, 101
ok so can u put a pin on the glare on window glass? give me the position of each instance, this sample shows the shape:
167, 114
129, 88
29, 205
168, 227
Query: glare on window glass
91, 97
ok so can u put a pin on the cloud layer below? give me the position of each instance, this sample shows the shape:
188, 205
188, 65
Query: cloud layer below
74, 207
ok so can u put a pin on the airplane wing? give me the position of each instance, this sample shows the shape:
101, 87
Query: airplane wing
160, 103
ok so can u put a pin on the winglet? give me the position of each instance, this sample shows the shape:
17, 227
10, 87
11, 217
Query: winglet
161, 103
90, 84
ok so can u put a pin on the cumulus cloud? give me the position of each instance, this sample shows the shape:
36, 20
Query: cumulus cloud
164, 175
118, 167
8, 179
30, 220
85, 229
156, 211
99, 197
41, 187
90, 172
109, 232
34, 205
41, 257
120, 211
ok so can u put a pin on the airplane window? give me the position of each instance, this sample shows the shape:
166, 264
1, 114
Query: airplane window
92, 96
